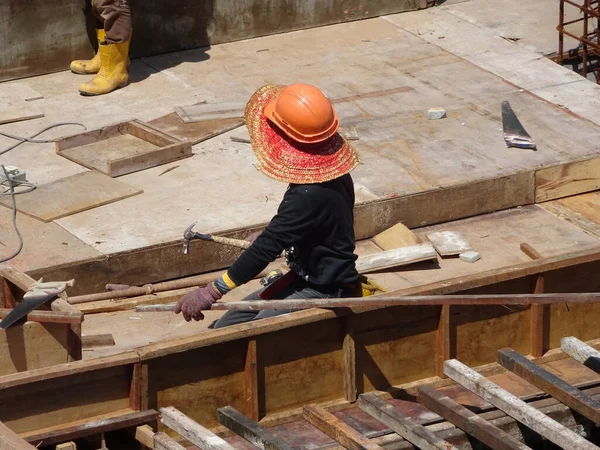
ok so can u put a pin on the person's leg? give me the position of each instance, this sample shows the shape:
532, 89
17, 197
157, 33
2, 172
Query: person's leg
300, 292
235, 317
116, 16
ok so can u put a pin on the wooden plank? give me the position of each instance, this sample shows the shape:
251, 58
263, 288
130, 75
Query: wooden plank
67, 433
195, 132
48, 316
192, 431
158, 298
72, 195
567, 179
66, 446
163, 442
444, 205
581, 352
515, 407
97, 340
13, 110
9, 440
550, 383
539, 313
396, 237
581, 210
444, 344
251, 381
251, 431
349, 363
449, 243
210, 111
329, 424
395, 258
144, 434
468, 421
400, 423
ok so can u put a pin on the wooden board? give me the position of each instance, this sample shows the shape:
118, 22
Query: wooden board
194, 132
449, 243
581, 210
32, 346
192, 431
123, 148
9, 440
71, 195
210, 111
567, 179
396, 237
395, 258
13, 110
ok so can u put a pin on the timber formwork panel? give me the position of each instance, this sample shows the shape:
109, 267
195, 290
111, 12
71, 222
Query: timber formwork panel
57, 396
294, 366
198, 380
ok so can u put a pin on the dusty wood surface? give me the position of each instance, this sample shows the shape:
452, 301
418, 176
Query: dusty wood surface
13, 110
192, 431
580, 210
565, 180
449, 243
71, 195
126, 420
9, 440
581, 352
194, 132
395, 258
251, 388
163, 442
515, 407
468, 421
347, 436
402, 424
97, 340
210, 111
250, 430
550, 383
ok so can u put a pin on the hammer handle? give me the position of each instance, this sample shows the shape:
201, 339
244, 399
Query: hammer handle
233, 242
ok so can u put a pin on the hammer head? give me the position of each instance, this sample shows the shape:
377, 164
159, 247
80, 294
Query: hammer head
188, 235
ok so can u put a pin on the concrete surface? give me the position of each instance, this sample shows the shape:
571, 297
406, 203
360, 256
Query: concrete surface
395, 68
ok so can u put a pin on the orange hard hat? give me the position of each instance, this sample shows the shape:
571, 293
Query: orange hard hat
304, 113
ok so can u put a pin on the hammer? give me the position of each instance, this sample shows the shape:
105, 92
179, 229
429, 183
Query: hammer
188, 235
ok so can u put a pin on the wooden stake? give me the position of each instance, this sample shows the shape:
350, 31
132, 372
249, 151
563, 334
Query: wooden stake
251, 381
347, 436
443, 340
192, 431
581, 352
250, 430
398, 422
468, 421
349, 364
550, 383
539, 313
145, 435
515, 407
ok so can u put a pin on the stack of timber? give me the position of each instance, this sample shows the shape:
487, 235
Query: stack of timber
473, 412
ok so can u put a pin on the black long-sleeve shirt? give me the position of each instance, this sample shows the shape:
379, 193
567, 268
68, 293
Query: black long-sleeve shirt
317, 220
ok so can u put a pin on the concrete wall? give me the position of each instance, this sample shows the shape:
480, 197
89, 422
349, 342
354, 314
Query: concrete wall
42, 36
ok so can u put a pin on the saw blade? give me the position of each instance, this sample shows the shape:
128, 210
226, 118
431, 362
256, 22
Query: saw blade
514, 132
24, 307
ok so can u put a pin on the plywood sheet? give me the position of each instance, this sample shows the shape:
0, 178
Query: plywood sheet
195, 132
449, 243
33, 346
14, 110
71, 195
396, 237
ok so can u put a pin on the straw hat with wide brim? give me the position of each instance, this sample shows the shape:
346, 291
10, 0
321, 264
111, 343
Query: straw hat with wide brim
284, 159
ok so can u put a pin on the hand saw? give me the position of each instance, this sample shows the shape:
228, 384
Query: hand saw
514, 133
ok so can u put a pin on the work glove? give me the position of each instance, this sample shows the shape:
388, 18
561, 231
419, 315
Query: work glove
193, 303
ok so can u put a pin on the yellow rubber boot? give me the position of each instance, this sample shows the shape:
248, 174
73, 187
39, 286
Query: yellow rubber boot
113, 73
87, 66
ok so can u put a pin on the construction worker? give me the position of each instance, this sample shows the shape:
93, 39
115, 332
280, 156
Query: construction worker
112, 59
293, 131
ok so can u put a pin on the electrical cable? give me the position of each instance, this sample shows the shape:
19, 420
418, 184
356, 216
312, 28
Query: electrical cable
14, 216
31, 138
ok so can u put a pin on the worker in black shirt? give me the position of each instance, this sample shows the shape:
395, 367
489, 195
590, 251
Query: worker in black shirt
293, 131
